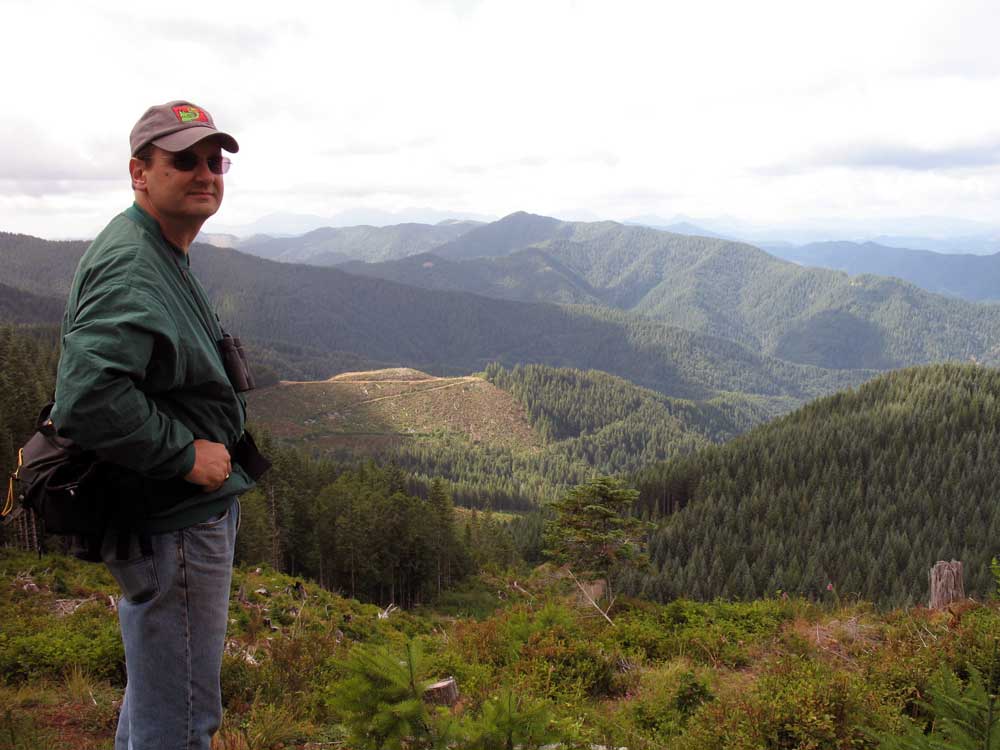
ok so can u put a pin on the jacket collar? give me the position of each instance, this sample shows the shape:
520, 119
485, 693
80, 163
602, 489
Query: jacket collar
136, 213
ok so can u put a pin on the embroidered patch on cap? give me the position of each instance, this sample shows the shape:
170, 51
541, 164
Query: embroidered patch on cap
186, 113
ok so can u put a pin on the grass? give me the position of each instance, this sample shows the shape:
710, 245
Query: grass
687, 675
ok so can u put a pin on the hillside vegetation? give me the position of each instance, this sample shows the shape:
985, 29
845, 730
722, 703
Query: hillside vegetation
25, 307
971, 277
331, 245
711, 286
310, 322
306, 668
863, 490
511, 440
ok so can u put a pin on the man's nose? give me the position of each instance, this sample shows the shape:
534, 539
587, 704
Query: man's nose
202, 172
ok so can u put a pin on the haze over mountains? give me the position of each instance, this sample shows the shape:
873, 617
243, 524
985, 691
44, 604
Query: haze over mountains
692, 317
971, 277
329, 246
708, 285
724, 336
309, 321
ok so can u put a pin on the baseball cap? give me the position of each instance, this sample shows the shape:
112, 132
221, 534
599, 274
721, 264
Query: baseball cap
175, 126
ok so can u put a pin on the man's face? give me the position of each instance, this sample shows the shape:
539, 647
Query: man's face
176, 195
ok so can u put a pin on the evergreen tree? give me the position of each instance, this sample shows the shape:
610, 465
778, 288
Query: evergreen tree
591, 530
382, 702
508, 721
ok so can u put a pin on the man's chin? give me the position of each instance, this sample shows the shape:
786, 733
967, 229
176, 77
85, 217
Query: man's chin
203, 209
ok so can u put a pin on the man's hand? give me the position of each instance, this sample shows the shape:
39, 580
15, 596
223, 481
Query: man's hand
212, 465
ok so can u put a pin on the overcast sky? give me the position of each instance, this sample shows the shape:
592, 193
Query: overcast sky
769, 112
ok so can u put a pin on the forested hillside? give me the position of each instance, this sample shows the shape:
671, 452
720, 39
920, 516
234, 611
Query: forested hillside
564, 404
971, 277
863, 490
316, 319
714, 286
527, 275
513, 440
331, 245
25, 307
43, 267
27, 379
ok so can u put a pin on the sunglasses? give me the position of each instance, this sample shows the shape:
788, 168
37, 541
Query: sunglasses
187, 161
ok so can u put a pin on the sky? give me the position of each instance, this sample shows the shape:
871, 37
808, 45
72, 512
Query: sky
767, 113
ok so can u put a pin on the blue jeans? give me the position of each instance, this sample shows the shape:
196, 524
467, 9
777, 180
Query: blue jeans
173, 615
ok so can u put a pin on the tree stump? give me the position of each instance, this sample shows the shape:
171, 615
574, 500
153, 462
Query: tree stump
946, 584
443, 693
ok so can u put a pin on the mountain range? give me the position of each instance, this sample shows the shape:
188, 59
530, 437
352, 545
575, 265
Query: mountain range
689, 316
970, 277
307, 321
332, 245
708, 285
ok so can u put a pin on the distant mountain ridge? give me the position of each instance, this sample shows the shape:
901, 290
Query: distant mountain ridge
26, 307
332, 245
713, 286
322, 316
971, 277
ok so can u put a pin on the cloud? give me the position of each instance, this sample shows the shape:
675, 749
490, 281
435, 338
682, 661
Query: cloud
36, 164
377, 148
883, 155
537, 161
364, 190
222, 35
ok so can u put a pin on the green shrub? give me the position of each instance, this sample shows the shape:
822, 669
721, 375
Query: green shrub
89, 639
797, 705
557, 664
718, 633
664, 701
19, 732
381, 701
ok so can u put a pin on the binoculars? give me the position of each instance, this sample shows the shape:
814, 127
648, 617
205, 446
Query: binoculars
235, 362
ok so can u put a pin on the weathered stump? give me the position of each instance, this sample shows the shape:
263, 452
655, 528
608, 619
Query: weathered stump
946, 584
443, 693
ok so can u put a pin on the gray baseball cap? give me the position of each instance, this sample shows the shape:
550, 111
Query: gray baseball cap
175, 126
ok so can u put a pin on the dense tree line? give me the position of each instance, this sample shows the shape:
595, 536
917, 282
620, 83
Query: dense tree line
28, 358
863, 490
591, 423
564, 403
373, 532
326, 318
378, 533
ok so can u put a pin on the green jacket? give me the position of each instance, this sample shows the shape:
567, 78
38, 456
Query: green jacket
140, 376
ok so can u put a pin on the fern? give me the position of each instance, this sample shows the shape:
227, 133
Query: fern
966, 717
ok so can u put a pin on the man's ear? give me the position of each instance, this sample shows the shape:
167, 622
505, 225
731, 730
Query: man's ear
137, 171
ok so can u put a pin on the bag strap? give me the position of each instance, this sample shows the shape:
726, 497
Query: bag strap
9, 505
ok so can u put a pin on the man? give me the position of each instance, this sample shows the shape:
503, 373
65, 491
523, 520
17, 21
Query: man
142, 383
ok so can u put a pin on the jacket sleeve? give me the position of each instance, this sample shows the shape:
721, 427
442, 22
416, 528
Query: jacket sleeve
100, 402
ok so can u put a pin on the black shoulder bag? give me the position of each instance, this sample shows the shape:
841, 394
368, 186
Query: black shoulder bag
60, 483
